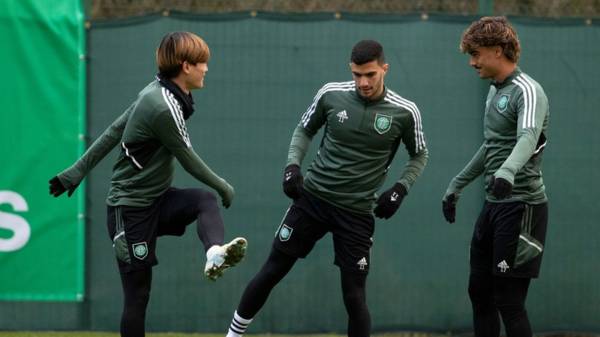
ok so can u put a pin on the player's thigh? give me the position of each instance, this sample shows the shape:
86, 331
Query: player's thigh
134, 232
507, 221
481, 248
181, 207
352, 240
298, 232
532, 239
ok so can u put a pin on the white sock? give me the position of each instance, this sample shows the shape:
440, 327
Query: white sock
238, 326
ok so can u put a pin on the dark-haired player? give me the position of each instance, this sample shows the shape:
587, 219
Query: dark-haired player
364, 122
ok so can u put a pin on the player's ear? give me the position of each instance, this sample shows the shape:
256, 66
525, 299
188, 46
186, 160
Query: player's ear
498, 51
185, 67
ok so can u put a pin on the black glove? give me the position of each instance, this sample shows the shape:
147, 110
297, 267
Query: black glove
57, 188
449, 207
500, 188
292, 181
389, 201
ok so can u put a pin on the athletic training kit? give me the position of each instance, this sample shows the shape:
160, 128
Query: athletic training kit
142, 205
339, 190
515, 123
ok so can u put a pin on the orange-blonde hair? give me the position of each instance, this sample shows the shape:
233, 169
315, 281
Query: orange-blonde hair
178, 47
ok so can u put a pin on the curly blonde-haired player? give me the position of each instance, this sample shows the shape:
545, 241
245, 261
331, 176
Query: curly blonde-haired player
508, 239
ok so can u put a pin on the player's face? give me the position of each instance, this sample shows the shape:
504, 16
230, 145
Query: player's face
486, 61
368, 78
196, 73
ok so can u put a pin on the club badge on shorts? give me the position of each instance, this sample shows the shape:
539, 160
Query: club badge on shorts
140, 250
383, 123
285, 232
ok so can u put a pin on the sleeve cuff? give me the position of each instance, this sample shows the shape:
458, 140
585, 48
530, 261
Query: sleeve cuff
501, 173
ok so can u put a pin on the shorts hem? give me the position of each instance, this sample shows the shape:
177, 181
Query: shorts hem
130, 268
516, 275
289, 252
351, 270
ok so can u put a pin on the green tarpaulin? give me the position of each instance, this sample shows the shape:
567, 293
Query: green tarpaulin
41, 124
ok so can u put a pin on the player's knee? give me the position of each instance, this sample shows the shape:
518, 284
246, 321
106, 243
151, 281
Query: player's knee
275, 268
354, 299
141, 297
510, 309
206, 196
479, 291
137, 285
136, 305
510, 304
511, 312
205, 199
273, 273
474, 291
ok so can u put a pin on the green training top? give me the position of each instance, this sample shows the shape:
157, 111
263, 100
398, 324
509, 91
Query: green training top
514, 128
151, 133
360, 140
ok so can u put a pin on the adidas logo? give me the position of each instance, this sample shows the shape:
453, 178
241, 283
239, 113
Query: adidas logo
342, 116
362, 263
503, 266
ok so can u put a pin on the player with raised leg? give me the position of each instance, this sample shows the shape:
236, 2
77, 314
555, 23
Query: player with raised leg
142, 204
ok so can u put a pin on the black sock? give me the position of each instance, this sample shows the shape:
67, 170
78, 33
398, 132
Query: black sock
136, 290
355, 300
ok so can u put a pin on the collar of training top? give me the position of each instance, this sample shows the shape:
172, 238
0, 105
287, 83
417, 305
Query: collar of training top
507, 80
370, 101
185, 100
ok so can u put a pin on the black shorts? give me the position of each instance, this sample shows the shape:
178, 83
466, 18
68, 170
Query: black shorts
310, 218
508, 239
134, 230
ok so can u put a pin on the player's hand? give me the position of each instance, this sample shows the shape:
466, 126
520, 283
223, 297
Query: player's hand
293, 181
500, 188
389, 201
57, 188
449, 207
227, 192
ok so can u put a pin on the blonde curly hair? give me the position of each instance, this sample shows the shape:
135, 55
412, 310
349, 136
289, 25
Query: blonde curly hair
492, 31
